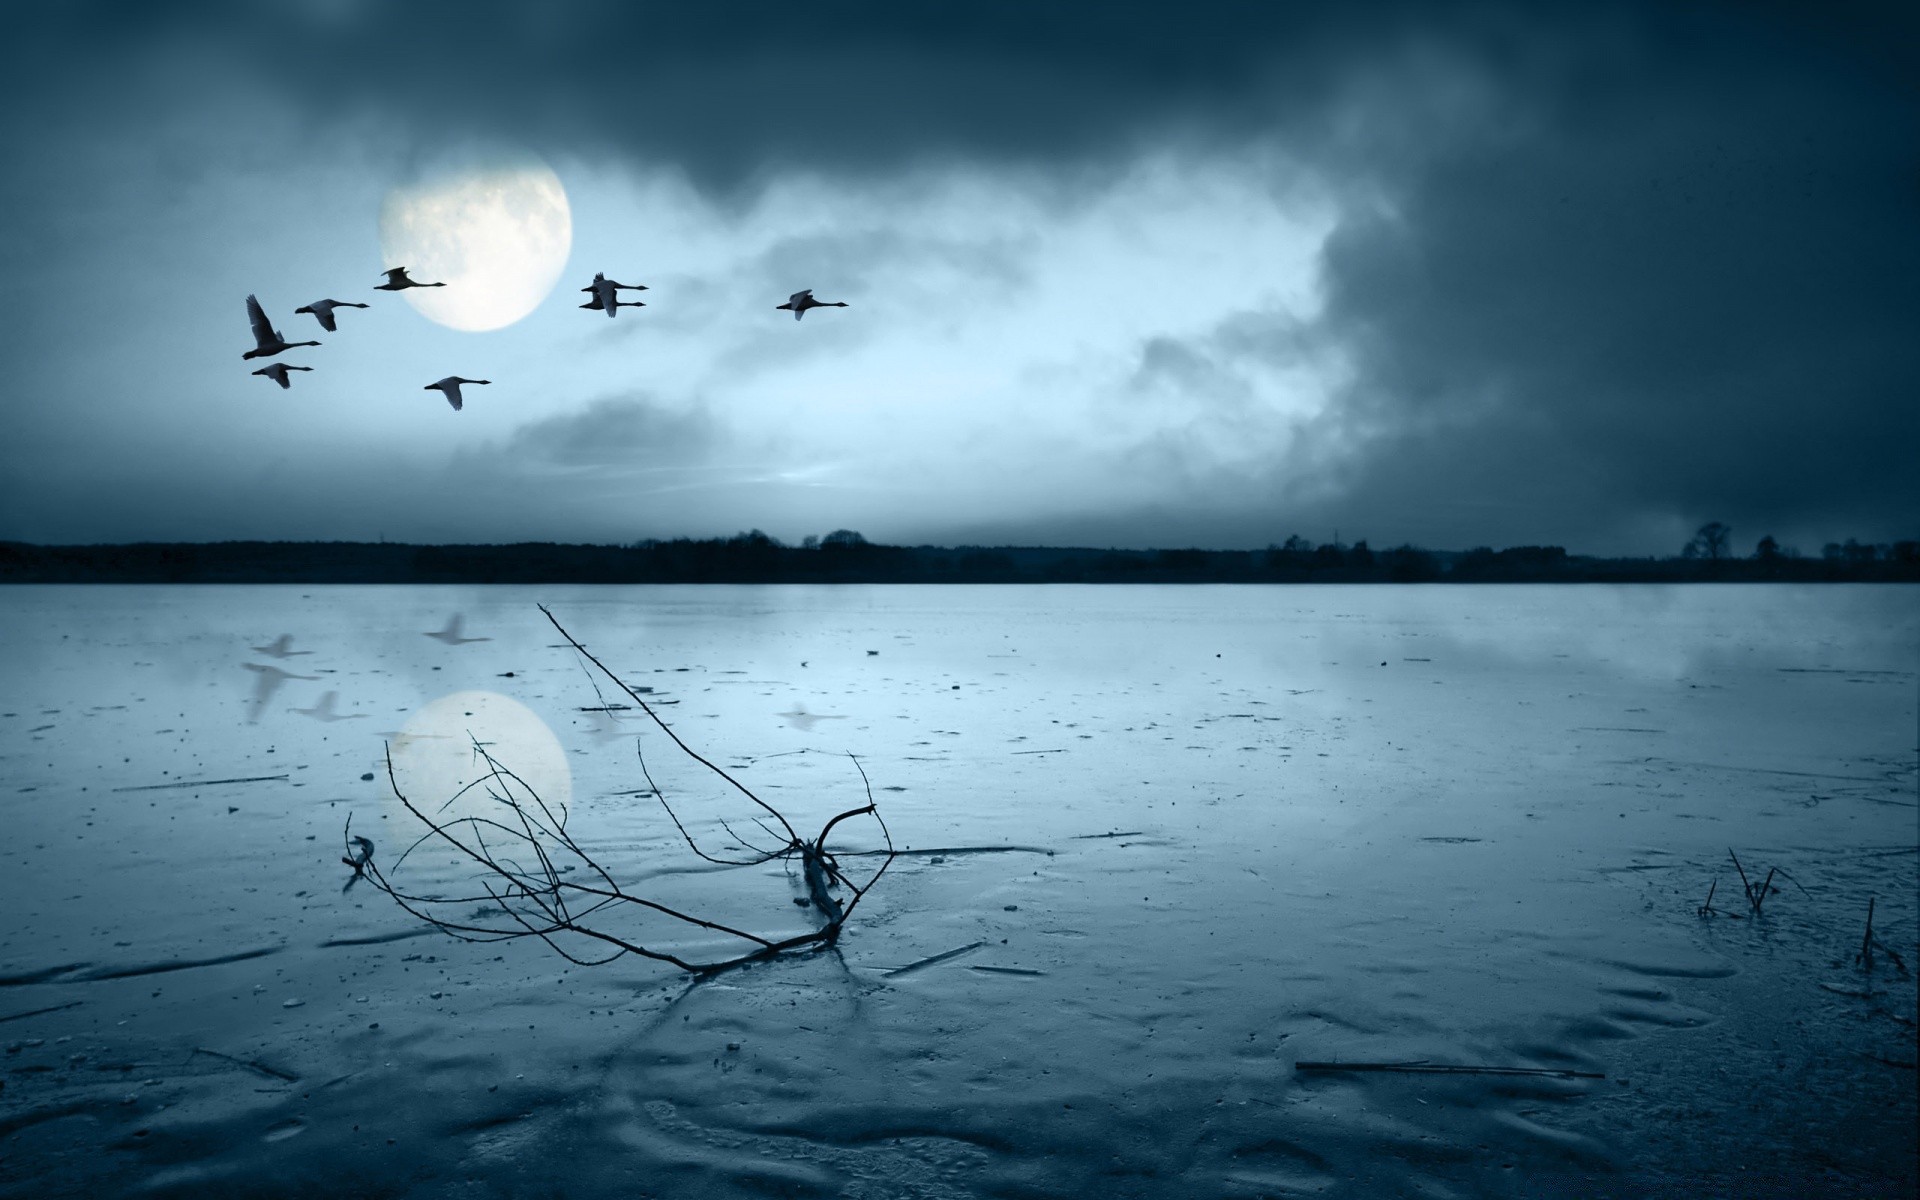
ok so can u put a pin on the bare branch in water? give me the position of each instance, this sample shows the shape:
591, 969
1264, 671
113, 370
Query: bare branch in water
524, 856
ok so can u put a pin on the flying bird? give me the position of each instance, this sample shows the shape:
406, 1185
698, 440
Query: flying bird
801, 301
280, 647
597, 306
267, 340
397, 281
322, 311
268, 682
451, 634
450, 388
324, 711
278, 373
606, 295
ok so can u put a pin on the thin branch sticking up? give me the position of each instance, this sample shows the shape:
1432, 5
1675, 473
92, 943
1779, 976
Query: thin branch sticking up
535, 880
1756, 896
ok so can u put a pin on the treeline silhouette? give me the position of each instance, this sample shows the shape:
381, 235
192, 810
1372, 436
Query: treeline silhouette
845, 557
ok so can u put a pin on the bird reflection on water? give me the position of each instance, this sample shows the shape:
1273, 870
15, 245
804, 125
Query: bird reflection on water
268, 681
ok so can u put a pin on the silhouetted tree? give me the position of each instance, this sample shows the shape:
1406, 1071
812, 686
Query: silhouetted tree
754, 537
1767, 550
1709, 541
810, 542
1359, 555
1474, 563
1408, 564
843, 537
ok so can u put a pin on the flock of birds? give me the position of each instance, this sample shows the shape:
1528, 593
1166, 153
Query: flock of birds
604, 297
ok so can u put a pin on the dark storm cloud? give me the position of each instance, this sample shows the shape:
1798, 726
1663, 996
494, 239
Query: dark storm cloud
1681, 291
1601, 269
729, 91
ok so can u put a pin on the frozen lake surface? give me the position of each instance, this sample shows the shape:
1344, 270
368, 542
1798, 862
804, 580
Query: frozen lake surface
1192, 835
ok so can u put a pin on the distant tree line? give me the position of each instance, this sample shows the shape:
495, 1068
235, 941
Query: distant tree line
844, 556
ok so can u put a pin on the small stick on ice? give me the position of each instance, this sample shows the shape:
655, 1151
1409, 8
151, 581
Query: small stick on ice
938, 958
1865, 957
36, 1012
252, 1064
1425, 1068
192, 783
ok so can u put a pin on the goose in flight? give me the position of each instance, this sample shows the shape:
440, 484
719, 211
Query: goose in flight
267, 340
324, 711
397, 281
322, 311
450, 388
801, 301
280, 647
278, 372
606, 294
451, 634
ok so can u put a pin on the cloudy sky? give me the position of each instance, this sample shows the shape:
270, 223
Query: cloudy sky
1143, 275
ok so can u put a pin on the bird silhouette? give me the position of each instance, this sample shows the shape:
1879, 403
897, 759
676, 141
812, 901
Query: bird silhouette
322, 311
324, 710
280, 647
278, 373
450, 388
606, 295
268, 682
397, 281
451, 634
267, 341
801, 301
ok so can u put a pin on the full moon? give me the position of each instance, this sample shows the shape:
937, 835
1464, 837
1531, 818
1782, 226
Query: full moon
434, 757
498, 237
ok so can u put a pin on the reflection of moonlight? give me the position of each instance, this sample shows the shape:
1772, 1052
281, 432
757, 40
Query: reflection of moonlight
498, 237
433, 755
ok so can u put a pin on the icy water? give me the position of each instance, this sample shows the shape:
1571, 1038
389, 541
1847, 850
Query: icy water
1189, 836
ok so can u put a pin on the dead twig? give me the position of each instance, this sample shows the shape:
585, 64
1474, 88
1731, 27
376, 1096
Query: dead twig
534, 880
189, 783
1868, 943
251, 1064
936, 958
1708, 910
36, 1012
1755, 896
1426, 1068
